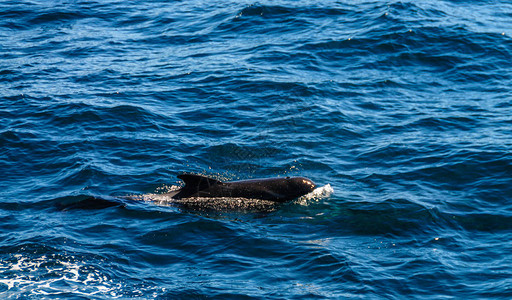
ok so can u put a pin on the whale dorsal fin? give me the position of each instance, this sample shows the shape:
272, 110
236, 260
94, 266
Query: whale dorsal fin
197, 182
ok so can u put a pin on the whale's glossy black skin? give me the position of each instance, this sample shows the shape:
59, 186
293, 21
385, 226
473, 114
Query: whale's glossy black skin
272, 189
197, 186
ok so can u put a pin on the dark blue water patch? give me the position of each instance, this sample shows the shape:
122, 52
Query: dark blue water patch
260, 20
390, 218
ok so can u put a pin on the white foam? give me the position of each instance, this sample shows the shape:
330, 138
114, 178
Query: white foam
316, 194
45, 276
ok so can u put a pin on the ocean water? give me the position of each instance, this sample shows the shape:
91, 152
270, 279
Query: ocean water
403, 108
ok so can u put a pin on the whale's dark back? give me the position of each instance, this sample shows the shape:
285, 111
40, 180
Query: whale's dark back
273, 189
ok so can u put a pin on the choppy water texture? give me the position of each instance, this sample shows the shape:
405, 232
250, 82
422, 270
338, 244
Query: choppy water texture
403, 107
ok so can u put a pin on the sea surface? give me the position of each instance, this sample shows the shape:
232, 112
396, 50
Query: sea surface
401, 110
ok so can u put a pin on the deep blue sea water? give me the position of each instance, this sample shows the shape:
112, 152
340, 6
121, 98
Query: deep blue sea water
403, 107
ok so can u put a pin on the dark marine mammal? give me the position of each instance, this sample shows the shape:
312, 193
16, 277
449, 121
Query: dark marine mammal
203, 192
271, 189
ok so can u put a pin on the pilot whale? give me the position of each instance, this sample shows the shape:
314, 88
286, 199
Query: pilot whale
207, 192
271, 189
